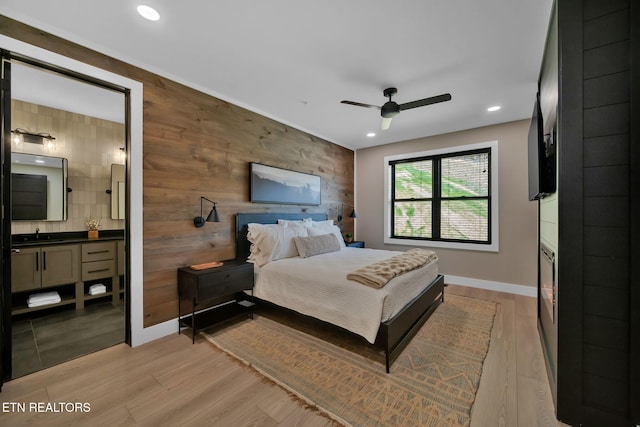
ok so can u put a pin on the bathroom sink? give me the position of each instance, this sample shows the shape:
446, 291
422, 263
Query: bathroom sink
34, 241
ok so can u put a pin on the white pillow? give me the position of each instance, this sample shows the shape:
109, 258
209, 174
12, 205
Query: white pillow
327, 229
256, 233
306, 222
316, 245
324, 223
270, 242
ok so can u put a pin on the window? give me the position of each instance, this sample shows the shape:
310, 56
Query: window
443, 198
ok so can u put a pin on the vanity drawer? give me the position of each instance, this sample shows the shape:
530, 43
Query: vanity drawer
98, 270
98, 251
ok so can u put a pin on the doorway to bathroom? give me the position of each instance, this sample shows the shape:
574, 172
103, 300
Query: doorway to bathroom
66, 294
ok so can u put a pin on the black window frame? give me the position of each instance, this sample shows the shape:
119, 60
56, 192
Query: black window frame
436, 199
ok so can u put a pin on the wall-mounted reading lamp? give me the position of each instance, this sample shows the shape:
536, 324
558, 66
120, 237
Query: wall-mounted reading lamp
212, 217
21, 135
353, 213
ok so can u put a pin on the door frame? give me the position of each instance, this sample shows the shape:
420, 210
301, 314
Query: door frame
5, 221
133, 231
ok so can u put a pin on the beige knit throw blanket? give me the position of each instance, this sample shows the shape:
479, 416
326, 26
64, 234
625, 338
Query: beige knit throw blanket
379, 274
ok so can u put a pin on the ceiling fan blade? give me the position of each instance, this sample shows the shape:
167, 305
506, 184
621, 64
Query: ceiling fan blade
386, 122
359, 104
427, 101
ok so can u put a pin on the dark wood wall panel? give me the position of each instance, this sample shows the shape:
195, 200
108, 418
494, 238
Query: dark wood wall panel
606, 332
634, 235
596, 179
606, 29
606, 150
605, 301
615, 361
598, 8
197, 145
606, 271
606, 186
607, 90
606, 120
606, 211
606, 181
607, 107
605, 394
605, 60
606, 242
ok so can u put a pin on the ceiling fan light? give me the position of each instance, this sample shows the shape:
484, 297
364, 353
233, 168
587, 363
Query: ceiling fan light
390, 109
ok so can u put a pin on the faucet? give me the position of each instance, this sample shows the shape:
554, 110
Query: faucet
37, 233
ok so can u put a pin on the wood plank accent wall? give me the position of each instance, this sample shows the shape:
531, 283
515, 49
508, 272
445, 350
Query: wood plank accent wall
197, 145
598, 178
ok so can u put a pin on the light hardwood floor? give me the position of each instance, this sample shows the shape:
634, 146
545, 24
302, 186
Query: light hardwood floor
171, 382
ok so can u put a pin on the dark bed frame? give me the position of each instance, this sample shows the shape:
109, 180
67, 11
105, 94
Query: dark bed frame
394, 334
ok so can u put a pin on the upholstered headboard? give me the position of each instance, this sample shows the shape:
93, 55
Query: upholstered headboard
243, 246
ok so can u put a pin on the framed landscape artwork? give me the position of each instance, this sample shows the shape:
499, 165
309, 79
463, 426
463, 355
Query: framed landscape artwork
276, 185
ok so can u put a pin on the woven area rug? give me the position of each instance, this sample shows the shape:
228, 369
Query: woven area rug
432, 383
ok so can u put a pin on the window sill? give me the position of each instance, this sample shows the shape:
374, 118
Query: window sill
494, 247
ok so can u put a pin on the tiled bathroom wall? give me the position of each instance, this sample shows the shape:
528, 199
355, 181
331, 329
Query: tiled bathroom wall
91, 146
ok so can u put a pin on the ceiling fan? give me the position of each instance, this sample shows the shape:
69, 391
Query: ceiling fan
390, 109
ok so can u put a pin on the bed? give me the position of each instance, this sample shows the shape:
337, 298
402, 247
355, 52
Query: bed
388, 317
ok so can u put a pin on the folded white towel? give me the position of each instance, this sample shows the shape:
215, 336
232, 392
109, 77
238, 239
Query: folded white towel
44, 298
97, 289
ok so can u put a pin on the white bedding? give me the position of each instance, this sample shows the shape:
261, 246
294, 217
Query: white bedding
317, 286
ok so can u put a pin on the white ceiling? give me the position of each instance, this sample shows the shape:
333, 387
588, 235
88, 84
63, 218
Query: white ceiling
295, 61
43, 87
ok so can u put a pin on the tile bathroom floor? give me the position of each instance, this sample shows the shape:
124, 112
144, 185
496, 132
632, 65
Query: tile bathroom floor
47, 338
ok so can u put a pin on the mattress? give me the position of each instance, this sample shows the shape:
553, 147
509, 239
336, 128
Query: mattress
317, 286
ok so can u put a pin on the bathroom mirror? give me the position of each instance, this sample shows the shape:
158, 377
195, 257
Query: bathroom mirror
38, 187
118, 191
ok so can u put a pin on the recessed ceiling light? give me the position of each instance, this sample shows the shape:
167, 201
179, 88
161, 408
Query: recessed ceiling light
148, 12
371, 134
494, 108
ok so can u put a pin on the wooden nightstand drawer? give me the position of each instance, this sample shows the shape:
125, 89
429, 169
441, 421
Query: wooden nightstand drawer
227, 282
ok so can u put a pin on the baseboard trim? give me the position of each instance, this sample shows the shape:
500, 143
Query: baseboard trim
155, 332
509, 288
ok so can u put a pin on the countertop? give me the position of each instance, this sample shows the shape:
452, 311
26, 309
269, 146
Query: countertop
42, 239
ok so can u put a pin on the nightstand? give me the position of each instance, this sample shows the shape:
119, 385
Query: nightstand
355, 244
198, 287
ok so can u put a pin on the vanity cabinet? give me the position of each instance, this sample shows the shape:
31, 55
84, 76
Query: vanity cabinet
69, 269
43, 267
99, 261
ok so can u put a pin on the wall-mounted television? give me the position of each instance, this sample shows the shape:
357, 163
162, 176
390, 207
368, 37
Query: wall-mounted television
542, 157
